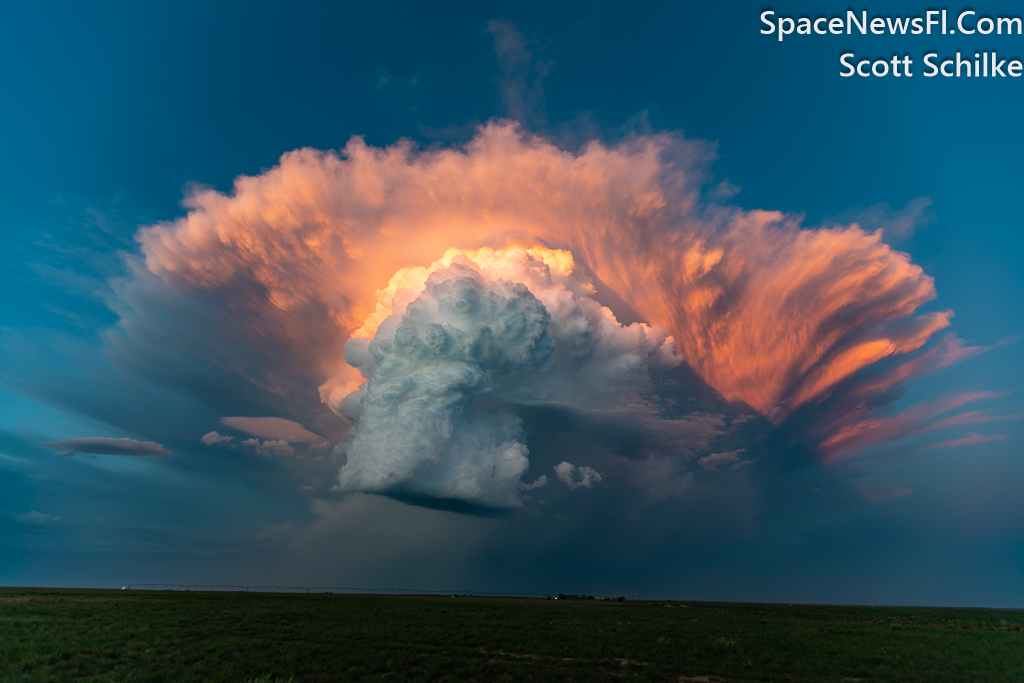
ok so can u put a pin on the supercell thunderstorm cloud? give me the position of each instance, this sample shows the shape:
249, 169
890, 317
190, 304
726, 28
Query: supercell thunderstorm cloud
515, 326
433, 299
450, 301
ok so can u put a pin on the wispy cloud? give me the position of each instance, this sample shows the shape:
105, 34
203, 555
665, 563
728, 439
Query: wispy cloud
35, 518
101, 445
895, 224
920, 417
886, 494
969, 440
521, 84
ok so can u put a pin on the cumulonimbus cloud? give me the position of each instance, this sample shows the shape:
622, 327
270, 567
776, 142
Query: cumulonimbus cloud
102, 445
296, 259
516, 326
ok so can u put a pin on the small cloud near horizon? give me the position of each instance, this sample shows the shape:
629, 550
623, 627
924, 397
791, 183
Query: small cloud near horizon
211, 438
275, 428
35, 518
102, 445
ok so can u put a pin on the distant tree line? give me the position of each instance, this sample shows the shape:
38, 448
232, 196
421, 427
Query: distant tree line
563, 596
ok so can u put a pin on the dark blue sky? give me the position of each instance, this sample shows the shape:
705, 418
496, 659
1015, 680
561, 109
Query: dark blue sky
110, 112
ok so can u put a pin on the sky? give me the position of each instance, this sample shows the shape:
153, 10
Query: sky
622, 299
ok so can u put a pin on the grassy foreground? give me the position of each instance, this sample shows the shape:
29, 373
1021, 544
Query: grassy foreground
66, 635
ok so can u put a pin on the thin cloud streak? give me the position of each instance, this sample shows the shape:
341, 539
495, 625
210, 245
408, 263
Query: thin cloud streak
101, 445
274, 428
916, 419
969, 440
897, 225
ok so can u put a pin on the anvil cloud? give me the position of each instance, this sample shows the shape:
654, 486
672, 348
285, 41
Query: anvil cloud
305, 262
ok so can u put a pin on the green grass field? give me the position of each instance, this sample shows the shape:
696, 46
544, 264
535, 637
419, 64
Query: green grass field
93, 635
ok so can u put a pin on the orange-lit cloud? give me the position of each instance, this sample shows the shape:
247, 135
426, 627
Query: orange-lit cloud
969, 440
852, 421
917, 418
102, 445
272, 428
767, 312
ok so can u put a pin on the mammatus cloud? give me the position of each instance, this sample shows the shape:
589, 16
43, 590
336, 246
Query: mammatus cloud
567, 474
101, 445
